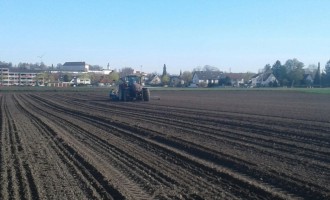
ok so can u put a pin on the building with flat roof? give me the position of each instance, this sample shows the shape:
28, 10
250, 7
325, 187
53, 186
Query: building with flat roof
75, 67
17, 77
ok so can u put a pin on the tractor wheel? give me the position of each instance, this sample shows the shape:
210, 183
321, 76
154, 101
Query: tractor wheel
139, 96
125, 95
146, 94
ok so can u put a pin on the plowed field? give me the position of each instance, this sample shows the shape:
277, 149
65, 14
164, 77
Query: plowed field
188, 145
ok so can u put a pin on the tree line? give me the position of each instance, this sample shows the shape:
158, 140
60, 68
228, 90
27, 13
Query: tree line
40, 66
293, 73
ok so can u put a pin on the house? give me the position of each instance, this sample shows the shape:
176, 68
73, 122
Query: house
176, 81
236, 79
105, 81
154, 80
58, 84
201, 78
75, 67
263, 80
308, 80
80, 81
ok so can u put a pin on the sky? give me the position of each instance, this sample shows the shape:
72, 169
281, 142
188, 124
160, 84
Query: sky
232, 35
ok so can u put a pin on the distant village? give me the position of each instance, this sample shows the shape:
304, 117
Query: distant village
78, 74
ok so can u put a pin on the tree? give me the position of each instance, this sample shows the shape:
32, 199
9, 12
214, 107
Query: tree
311, 69
186, 77
210, 68
225, 81
105, 79
66, 78
317, 77
205, 68
5, 64
95, 68
327, 68
279, 72
126, 71
323, 80
267, 69
114, 76
197, 69
52, 77
84, 76
59, 66
164, 71
326, 75
42, 78
42, 66
23, 66
165, 79
295, 71
92, 77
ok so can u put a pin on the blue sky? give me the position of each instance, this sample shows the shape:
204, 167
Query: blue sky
236, 35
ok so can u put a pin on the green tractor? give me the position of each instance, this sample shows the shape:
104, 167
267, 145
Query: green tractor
130, 89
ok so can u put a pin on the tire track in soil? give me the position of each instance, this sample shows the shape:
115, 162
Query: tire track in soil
171, 147
80, 115
214, 132
45, 165
270, 179
257, 145
103, 149
97, 120
300, 182
17, 182
241, 121
94, 183
235, 138
2, 145
261, 129
121, 155
211, 129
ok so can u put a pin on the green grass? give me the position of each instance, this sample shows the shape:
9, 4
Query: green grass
304, 90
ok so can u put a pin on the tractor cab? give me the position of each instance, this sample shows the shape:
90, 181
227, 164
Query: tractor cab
132, 79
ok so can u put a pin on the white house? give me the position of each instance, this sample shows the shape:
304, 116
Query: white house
155, 80
308, 79
77, 81
237, 79
206, 77
263, 80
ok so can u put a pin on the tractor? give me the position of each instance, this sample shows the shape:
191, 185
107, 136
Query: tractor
130, 89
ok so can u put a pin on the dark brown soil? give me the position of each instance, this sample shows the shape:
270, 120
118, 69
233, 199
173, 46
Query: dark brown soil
187, 145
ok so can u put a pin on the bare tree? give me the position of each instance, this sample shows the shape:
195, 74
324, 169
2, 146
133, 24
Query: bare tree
210, 68
126, 71
187, 77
